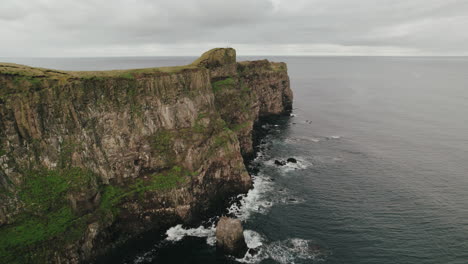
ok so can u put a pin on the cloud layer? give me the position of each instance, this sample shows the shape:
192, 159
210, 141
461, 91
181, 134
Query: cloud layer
254, 27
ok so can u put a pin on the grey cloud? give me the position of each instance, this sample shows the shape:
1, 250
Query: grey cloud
180, 27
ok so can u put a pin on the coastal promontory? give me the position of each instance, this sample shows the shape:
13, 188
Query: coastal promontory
89, 160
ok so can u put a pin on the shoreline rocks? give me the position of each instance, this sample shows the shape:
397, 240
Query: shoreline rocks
283, 163
280, 162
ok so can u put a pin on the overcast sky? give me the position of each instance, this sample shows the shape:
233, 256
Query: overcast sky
253, 27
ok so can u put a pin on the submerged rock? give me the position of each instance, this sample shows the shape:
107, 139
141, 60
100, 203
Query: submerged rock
230, 237
252, 251
280, 162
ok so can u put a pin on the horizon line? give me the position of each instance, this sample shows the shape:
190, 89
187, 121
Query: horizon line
251, 55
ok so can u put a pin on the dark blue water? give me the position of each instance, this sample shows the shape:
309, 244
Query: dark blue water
382, 145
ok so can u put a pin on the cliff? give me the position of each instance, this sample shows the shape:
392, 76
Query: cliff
91, 159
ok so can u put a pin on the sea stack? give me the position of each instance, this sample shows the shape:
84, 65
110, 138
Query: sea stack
230, 237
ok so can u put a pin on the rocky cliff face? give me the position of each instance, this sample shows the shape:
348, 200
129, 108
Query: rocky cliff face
91, 159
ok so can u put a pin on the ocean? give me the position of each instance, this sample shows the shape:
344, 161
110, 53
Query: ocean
382, 172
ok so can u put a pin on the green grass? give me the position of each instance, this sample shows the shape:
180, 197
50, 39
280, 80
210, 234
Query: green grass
219, 85
111, 197
162, 143
32, 80
127, 75
239, 127
44, 190
32, 229
34, 75
48, 217
47, 213
164, 181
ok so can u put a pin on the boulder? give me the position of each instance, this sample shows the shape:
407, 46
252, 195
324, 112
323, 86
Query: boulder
292, 160
230, 237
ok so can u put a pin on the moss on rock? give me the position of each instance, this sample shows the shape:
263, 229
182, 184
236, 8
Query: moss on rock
219, 85
48, 214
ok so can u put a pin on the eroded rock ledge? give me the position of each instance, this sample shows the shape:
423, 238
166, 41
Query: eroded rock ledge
91, 159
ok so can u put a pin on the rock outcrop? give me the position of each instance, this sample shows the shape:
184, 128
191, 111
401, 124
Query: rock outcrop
230, 237
91, 159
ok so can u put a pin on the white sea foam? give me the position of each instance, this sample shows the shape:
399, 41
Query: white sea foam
255, 200
292, 250
253, 239
301, 164
261, 198
178, 232
301, 139
285, 251
147, 257
311, 139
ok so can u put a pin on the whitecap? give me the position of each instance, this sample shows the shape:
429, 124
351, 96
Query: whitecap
311, 139
300, 139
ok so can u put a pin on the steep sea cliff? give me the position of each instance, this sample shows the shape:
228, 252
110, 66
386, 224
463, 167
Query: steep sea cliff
89, 160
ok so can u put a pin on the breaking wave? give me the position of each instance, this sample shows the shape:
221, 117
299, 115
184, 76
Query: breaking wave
287, 251
178, 232
301, 164
255, 201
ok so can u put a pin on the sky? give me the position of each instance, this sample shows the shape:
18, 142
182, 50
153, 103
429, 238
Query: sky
89, 28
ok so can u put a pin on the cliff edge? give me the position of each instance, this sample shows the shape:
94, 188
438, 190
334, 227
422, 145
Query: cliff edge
89, 160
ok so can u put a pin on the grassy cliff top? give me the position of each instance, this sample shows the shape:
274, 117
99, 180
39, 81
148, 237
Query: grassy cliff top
210, 59
264, 65
27, 71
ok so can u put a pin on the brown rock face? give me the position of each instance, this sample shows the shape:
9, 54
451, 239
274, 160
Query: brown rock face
230, 237
91, 158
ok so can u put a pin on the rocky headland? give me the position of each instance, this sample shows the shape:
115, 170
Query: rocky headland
89, 160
